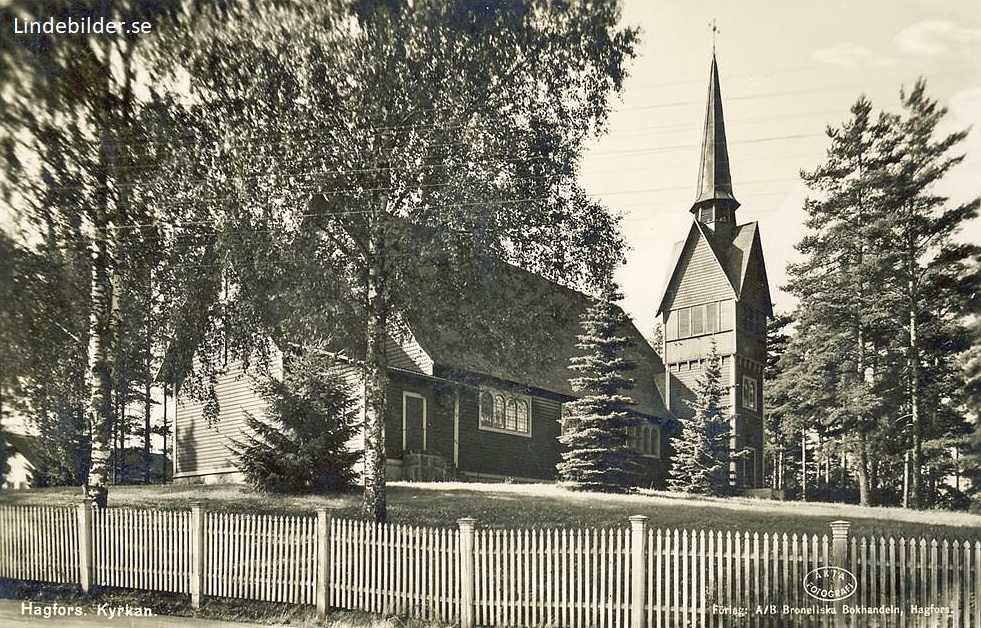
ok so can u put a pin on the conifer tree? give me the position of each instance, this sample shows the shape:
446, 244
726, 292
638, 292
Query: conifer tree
595, 430
842, 327
300, 446
925, 264
882, 295
701, 453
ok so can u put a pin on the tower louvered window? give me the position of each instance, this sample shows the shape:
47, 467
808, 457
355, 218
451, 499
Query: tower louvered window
697, 320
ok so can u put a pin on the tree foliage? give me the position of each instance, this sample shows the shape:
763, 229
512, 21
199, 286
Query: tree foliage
700, 462
181, 166
883, 291
594, 431
75, 150
465, 117
300, 446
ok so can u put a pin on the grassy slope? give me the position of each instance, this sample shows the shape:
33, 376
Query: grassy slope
545, 505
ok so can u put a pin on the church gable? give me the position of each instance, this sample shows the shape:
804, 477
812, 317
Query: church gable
698, 277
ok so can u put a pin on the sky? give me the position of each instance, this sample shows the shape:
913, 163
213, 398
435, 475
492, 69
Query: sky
788, 69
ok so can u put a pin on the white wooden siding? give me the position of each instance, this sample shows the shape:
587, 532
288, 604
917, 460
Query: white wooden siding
404, 352
203, 449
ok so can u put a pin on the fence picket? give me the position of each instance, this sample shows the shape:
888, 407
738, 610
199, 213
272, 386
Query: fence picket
557, 577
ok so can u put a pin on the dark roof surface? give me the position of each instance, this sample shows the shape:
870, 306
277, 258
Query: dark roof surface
733, 257
527, 334
714, 178
24, 445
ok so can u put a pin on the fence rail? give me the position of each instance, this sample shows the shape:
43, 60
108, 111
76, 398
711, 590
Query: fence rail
632, 577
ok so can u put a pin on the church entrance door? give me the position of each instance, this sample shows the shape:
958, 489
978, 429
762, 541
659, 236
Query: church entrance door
413, 422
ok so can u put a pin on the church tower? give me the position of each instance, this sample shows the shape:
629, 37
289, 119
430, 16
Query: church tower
717, 292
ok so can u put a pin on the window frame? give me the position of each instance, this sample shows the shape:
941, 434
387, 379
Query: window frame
645, 439
705, 319
750, 393
499, 423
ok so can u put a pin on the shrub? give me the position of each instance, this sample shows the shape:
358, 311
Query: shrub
300, 445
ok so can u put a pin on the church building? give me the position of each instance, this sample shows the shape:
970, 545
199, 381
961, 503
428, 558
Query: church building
717, 294
471, 405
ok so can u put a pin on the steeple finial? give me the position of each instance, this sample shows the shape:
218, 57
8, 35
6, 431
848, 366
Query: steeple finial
714, 180
715, 31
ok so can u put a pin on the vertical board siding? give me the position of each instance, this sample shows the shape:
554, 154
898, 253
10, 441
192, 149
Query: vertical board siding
575, 578
38, 543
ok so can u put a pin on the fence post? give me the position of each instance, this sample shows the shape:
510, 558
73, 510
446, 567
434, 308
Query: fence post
638, 570
839, 558
197, 554
839, 543
323, 561
468, 527
85, 544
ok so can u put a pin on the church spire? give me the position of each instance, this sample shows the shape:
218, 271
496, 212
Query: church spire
715, 201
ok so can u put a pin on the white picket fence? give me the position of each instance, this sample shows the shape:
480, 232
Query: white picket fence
638, 576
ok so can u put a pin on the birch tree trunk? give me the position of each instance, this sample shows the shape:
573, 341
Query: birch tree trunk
916, 464
863, 470
99, 412
376, 376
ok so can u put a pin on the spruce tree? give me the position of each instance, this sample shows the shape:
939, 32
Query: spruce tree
300, 446
595, 428
701, 453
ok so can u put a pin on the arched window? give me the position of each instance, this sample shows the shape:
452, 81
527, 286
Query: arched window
645, 439
486, 409
505, 412
499, 411
511, 416
521, 420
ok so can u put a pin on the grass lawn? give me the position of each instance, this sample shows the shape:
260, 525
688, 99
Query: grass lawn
543, 505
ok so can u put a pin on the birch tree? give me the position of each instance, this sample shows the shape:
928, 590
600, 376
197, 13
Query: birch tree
345, 125
72, 143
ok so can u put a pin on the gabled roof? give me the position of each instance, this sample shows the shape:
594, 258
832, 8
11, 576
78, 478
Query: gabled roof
527, 333
26, 446
467, 314
733, 259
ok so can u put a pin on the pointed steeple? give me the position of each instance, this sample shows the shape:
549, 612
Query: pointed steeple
715, 202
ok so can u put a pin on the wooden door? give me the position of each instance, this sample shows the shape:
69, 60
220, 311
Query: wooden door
413, 422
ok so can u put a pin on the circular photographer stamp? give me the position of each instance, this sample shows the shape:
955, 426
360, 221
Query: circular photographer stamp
830, 584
